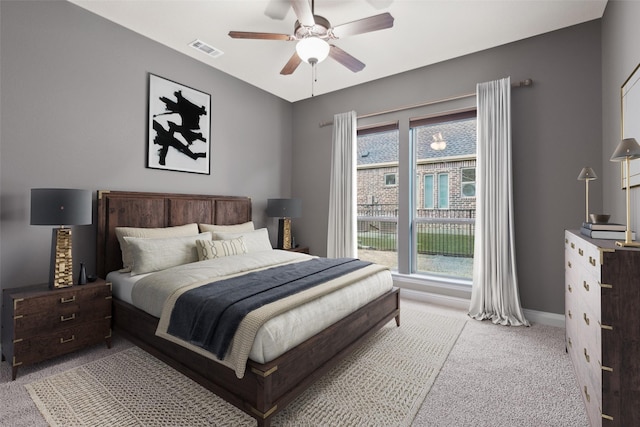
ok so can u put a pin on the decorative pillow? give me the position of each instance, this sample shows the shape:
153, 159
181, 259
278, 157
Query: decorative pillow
210, 249
166, 232
236, 228
158, 254
255, 241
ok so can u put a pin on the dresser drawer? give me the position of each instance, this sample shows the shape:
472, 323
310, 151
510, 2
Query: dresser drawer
38, 348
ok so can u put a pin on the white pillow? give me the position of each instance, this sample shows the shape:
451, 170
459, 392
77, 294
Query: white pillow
210, 249
158, 254
235, 228
166, 232
255, 241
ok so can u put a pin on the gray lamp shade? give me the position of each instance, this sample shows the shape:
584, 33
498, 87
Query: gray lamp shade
60, 206
587, 174
284, 208
628, 148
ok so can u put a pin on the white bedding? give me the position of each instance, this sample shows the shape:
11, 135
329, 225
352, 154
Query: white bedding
277, 335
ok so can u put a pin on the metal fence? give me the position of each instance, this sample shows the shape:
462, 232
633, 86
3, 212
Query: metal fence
438, 231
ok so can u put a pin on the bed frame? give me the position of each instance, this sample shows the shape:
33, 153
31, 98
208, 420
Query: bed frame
265, 388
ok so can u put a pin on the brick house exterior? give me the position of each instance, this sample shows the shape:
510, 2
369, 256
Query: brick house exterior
377, 168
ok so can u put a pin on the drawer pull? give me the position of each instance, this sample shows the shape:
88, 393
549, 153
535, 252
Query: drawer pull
586, 319
570, 343
64, 319
585, 285
580, 251
570, 315
573, 245
62, 340
586, 394
569, 264
72, 299
592, 261
586, 356
570, 288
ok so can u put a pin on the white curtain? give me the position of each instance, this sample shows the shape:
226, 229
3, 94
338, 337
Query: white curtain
495, 283
341, 237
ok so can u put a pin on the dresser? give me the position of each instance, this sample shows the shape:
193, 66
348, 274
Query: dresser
602, 312
39, 323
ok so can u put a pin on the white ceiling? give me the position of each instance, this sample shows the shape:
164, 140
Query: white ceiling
424, 32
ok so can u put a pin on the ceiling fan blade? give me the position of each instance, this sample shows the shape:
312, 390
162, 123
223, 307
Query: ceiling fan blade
303, 12
277, 9
292, 64
365, 25
259, 36
345, 59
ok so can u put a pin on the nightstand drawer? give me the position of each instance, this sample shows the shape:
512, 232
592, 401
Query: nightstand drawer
39, 348
44, 323
67, 301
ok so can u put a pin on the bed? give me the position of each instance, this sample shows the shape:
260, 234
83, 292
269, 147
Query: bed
267, 386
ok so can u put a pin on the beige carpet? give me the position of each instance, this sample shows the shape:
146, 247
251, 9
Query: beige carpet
382, 383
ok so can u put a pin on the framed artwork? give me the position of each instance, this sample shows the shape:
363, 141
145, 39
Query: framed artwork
630, 122
179, 127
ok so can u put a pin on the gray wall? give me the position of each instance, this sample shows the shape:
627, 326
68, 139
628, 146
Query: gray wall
620, 56
556, 131
74, 105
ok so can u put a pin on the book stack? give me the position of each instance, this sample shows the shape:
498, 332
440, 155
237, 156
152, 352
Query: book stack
607, 230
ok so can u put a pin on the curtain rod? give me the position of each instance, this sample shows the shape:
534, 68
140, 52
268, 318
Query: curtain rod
523, 83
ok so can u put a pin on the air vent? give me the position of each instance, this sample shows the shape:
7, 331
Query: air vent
206, 48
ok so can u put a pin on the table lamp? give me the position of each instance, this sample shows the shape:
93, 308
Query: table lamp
627, 150
285, 209
587, 174
61, 207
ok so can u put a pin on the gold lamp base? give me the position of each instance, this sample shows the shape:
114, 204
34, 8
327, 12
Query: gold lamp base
628, 244
62, 261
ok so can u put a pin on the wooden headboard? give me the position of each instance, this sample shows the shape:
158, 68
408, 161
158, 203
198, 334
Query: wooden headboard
151, 210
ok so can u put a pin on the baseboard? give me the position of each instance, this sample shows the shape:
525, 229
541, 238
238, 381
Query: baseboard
544, 318
533, 316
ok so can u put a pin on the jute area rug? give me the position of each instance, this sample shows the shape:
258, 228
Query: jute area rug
382, 383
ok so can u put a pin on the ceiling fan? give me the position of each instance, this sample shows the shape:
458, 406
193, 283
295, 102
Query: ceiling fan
314, 33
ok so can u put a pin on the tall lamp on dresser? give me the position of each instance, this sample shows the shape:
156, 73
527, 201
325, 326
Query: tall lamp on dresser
627, 150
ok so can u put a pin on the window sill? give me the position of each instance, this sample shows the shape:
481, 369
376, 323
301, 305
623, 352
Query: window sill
438, 285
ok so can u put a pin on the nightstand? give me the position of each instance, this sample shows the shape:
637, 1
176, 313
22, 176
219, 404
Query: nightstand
39, 323
302, 249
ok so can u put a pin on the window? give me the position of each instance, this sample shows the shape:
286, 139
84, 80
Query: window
390, 179
428, 191
468, 182
443, 191
412, 214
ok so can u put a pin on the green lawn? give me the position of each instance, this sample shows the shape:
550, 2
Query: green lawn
428, 243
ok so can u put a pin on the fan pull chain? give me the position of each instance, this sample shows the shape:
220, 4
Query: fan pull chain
314, 74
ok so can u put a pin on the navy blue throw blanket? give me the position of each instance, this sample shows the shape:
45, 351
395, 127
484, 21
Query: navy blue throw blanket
208, 316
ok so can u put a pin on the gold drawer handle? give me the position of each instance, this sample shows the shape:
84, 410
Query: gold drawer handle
62, 340
72, 299
592, 261
570, 315
586, 319
64, 319
586, 394
580, 251
585, 285
573, 245
586, 356
570, 288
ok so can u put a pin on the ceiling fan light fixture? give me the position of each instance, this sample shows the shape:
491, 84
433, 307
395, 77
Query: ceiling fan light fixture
312, 49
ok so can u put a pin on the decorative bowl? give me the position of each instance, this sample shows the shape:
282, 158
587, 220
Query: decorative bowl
599, 218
